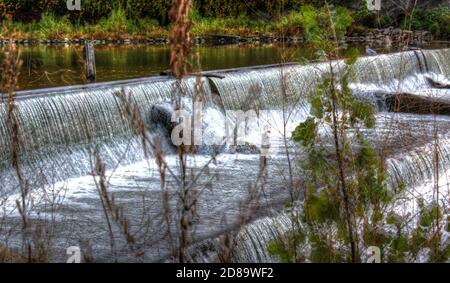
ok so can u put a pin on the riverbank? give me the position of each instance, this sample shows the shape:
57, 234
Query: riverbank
118, 28
388, 36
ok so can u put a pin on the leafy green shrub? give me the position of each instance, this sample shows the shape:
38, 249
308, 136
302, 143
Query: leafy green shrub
117, 22
291, 24
347, 204
437, 21
51, 27
365, 17
386, 21
241, 25
317, 25
255, 9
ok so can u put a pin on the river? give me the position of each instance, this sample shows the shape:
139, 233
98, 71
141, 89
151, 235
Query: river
65, 133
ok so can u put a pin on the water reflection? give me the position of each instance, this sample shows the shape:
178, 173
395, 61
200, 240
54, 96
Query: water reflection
48, 66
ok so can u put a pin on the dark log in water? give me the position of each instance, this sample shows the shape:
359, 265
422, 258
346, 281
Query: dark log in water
413, 103
436, 84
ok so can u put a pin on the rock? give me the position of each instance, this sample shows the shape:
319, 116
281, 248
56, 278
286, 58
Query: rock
160, 116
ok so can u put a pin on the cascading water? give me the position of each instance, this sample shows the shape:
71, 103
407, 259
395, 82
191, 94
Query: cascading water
438, 61
419, 165
378, 78
251, 242
383, 69
59, 130
269, 88
56, 122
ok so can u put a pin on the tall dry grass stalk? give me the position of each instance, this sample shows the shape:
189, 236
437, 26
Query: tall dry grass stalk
10, 70
180, 37
37, 233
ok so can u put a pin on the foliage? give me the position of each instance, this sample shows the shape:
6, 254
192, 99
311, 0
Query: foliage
347, 204
26, 10
52, 27
366, 19
241, 25
117, 22
322, 25
258, 9
229, 17
437, 21
116, 25
291, 24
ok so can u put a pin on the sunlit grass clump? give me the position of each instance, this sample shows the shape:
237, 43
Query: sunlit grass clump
52, 27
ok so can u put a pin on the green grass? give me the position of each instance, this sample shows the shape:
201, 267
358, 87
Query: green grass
242, 25
52, 27
117, 23
291, 24
118, 26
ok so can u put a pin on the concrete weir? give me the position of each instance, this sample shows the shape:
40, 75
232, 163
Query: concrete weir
61, 118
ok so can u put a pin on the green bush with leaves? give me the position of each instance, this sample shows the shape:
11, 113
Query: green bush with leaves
53, 27
245, 18
291, 24
325, 27
347, 205
437, 21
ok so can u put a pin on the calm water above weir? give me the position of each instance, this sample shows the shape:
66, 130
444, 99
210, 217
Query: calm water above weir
49, 66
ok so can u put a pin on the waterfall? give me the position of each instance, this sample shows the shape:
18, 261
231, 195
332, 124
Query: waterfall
268, 88
419, 165
65, 123
250, 242
253, 240
438, 61
380, 79
411, 169
57, 130
383, 69
60, 128
83, 115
